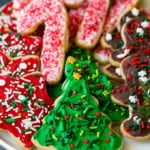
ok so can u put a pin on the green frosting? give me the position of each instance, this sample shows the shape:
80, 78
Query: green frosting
77, 123
98, 83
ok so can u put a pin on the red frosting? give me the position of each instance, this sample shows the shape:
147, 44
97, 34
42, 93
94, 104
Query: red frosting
23, 104
15, 44
7, 20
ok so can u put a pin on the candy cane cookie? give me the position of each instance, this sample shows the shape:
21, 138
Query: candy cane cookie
24, 103
14, 44
16, 67
92, 24
75, 18
76, 123
55, 35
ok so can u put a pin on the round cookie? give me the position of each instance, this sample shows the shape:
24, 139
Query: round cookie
76, 122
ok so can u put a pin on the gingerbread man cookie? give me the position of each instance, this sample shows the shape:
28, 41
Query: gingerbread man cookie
55, 34
134, 93
76, 122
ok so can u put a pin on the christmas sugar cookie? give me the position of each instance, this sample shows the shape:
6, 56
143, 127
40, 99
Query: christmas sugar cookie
92, 24
112, 40
136, 37
113, 72
14, 44
130, 15
55, 36
134, 93
83, 66
24, 103
17, 67
116, 11
7, 20
76, 123
75, 17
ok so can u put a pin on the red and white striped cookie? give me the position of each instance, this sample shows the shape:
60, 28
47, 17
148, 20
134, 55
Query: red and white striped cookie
75, 18
55, 40
92, 24
116, 12
72, 3
17, 67
102, 55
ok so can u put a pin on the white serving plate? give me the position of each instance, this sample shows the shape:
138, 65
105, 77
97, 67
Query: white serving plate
128, 143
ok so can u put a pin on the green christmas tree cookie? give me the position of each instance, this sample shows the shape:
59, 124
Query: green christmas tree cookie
76, 122
83, 64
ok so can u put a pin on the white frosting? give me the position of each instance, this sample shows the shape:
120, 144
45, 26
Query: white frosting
135, 12
108, 36
143, 79
23, 66
140, 31
133, 98
142, 76
21, 97
145, 24
142, 73
128, 19
136, 119
2, 82
122, 55
117, 71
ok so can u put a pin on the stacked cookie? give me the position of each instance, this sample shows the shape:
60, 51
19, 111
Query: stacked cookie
83, 109
129, 62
